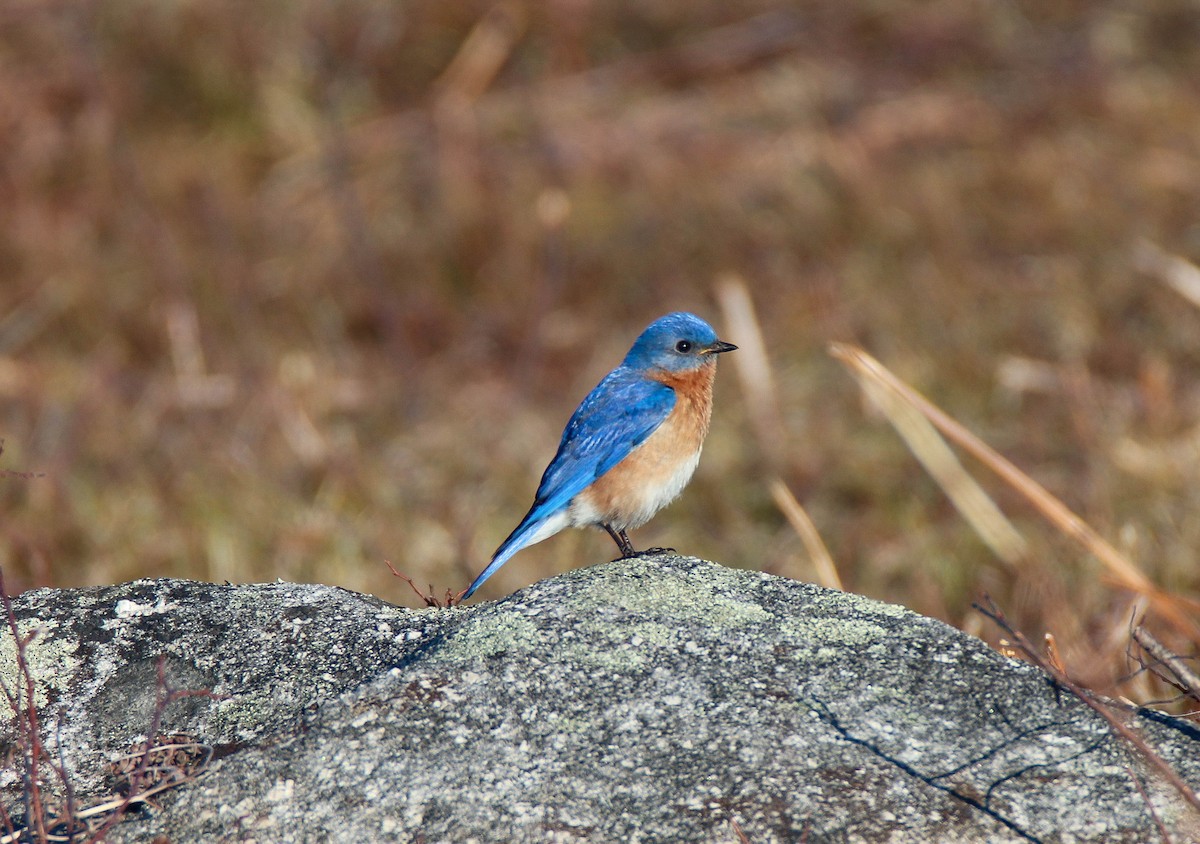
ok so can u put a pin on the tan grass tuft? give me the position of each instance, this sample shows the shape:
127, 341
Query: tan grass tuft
1123, 571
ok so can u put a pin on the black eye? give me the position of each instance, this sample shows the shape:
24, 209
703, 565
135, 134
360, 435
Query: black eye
683, 346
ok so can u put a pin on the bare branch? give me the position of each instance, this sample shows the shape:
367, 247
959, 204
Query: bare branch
1022, 644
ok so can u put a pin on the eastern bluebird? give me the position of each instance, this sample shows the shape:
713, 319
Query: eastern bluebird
632, 445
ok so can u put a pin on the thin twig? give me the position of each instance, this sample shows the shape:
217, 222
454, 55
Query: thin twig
1186, 678
68, 789
22, 701
1022, 644
1158, 822
737, 830
427, 598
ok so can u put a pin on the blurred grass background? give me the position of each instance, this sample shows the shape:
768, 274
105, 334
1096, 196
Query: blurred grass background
291, 288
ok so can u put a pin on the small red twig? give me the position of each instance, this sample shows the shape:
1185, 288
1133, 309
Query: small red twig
22, 701
428, 598
70, 823
737, 830
1158, 822
137, 790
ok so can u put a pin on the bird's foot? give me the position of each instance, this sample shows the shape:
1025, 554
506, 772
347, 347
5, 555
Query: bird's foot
657, 550
628, 554
622, 539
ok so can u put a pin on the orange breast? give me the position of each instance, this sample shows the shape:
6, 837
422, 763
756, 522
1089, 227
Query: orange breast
655, 472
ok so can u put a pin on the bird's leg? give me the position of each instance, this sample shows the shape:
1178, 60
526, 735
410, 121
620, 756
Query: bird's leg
622, 540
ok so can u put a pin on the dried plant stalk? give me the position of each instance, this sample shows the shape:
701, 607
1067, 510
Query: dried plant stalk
1183, 675
758, 384
1119, 567
931, 450
752, 365
827, 574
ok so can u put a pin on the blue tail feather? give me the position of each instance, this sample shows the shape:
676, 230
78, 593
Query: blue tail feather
515, 542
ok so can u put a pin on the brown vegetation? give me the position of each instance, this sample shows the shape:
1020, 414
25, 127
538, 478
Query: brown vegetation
290, 289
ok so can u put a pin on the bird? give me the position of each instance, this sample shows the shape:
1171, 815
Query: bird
633, 443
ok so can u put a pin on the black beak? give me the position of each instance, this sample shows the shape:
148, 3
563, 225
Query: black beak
721, 346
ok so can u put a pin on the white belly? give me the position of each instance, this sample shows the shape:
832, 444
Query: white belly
653, 497
650, 478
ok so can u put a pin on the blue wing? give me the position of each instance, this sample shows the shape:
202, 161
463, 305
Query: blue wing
616, 417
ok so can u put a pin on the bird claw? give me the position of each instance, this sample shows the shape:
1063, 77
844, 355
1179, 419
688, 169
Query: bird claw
657, 550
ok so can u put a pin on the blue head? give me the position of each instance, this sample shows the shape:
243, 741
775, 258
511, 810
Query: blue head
677, 342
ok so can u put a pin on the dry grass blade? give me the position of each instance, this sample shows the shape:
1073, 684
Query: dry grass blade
752, 365
827, 574
107, 808
1053, 656
758, 384
1123, 571
931, 450
483, 53
1179, 274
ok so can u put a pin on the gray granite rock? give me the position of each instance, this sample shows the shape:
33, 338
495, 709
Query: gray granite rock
271, 652
656, 699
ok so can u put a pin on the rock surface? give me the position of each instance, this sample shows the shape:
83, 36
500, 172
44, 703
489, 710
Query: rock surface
656, 699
